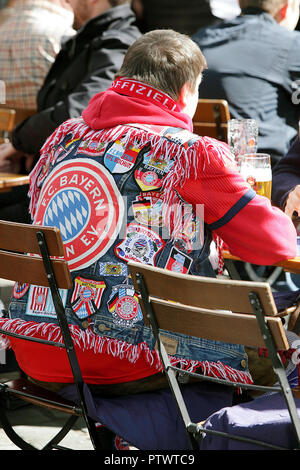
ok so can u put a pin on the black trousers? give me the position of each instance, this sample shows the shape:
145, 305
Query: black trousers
14, 205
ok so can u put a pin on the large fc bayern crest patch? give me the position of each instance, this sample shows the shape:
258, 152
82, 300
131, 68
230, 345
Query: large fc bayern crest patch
80, 197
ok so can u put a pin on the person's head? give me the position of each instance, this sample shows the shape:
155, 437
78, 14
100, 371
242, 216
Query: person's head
169, 61
85, 10
285, 12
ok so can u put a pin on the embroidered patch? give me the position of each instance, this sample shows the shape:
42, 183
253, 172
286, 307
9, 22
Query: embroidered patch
86, 296
64, 148
120, 159
92, 147
20, 289
124, 306
147, 208
40, 301
178, 262
81, 198
113, 269
43, 173
150, 173
183, 244
140, 244
190, 237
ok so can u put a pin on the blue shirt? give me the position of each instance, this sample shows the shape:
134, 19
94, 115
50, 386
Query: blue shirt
254, 63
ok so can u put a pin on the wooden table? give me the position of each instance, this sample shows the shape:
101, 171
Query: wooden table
291, 265
9, 180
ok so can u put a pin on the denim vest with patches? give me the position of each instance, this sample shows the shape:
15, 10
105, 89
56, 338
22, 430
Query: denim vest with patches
106, 198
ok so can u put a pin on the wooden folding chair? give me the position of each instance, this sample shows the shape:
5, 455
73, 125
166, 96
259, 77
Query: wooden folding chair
20, 113
16, 241
211, 118
7, 123
238, 312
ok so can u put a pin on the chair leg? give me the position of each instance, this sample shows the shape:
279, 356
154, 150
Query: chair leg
277, 364
62, 433
12, 435
104, 438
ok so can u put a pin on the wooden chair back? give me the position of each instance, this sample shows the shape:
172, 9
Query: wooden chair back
19, 240
211, 118
7, 123
238, 312
34, 254
214, 309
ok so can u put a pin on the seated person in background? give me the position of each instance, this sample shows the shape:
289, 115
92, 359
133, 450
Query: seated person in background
85, 65
286, 181
254, 63
184, 17
130, 181
31, 33
286, 193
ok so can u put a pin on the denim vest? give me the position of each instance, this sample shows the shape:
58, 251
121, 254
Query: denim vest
102, 302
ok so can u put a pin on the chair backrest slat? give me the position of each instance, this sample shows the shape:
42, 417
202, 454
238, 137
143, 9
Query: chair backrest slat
20, 256
214, 309
211, 117
22, 238
30, 269
204, 291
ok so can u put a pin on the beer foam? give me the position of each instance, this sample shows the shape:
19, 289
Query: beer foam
260, 174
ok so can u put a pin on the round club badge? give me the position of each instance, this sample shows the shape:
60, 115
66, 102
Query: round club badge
80, 197
140, 244
124, 306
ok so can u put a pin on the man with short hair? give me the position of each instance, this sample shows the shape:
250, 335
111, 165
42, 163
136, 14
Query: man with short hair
254, 63
286, 181
130, 181
85, 65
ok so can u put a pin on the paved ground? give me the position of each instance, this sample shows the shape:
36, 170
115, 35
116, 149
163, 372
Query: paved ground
37, 426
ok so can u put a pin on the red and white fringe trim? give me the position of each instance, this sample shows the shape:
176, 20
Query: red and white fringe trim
188, 162
88, 340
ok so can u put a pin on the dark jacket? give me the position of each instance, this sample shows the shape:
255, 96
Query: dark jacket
86, 65
286, 175
254, 63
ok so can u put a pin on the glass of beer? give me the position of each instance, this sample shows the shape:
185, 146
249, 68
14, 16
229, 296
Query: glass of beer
255, 168
242, 136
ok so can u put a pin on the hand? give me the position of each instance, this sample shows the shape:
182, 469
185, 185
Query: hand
293, 202
10, 158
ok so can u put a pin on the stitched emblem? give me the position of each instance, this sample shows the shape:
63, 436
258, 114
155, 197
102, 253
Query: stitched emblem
81, 198
113, 269
124, 306
20, 290
150, 173
147, 209
91, 147
40, 301
120, 159
86, 296
64, 148
178, 262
